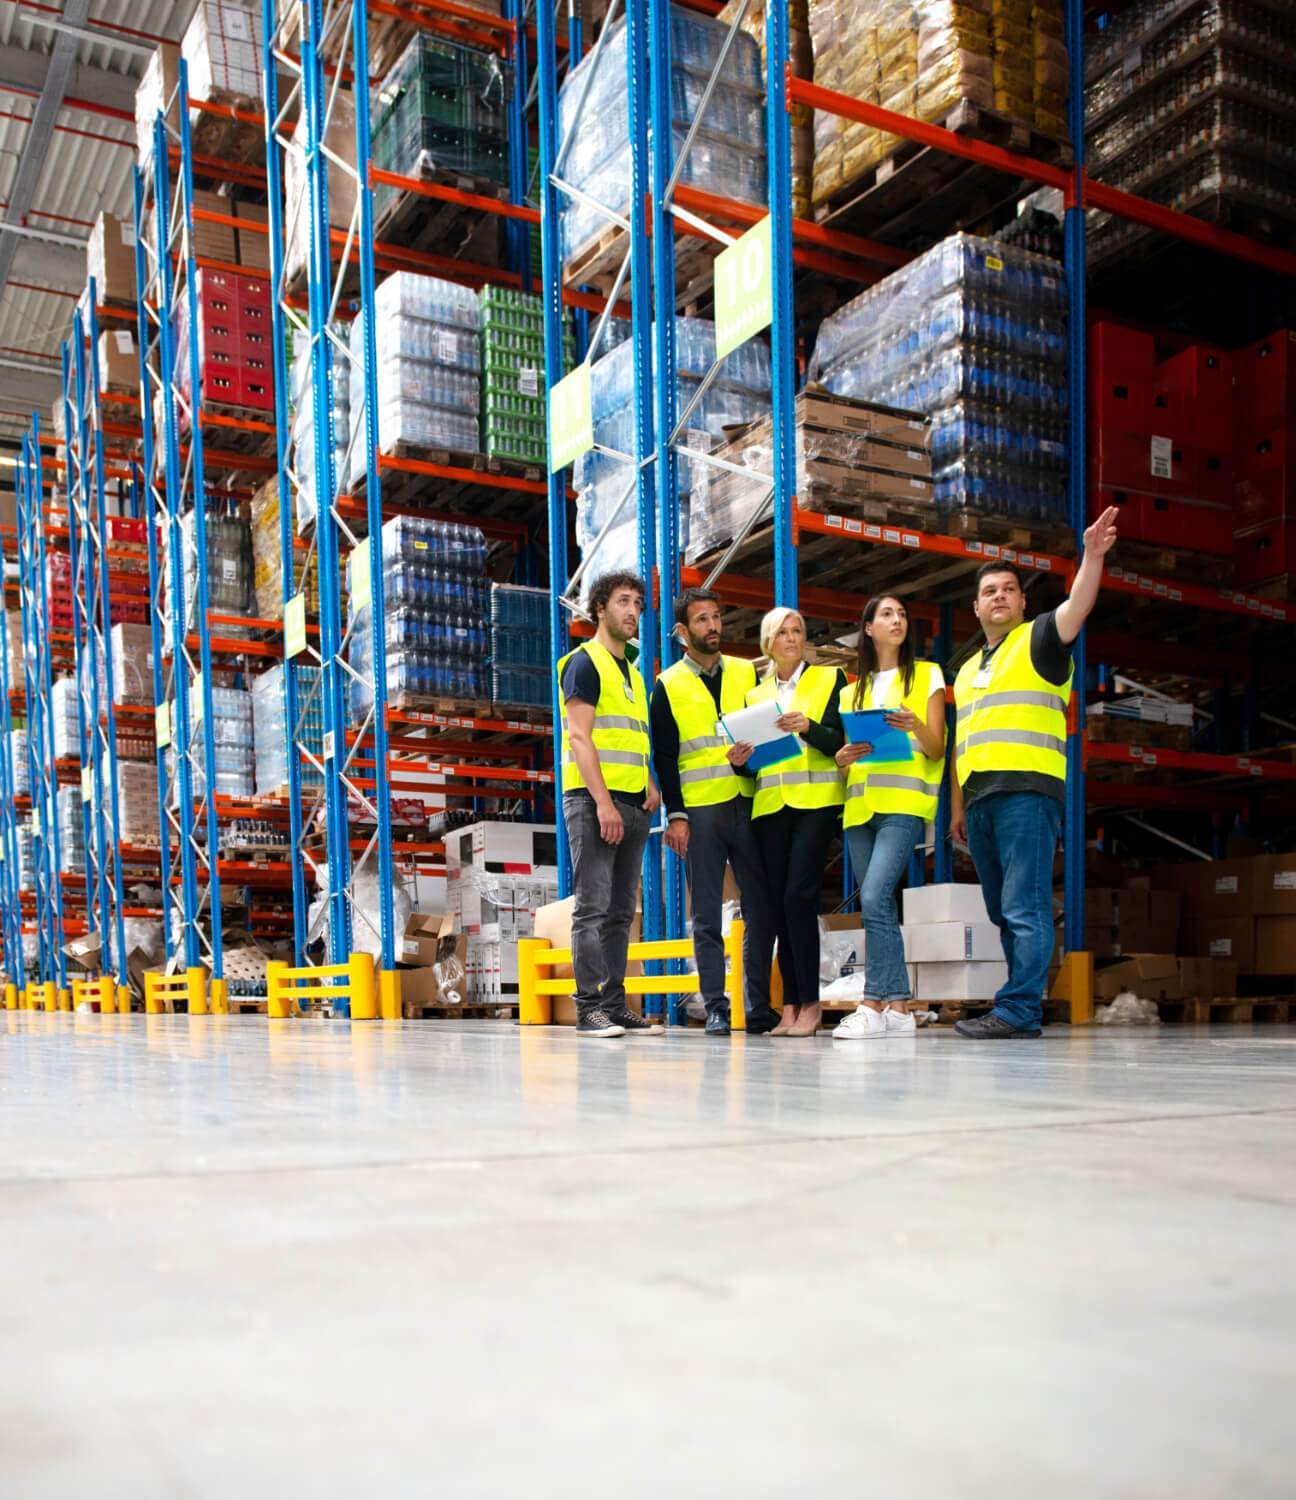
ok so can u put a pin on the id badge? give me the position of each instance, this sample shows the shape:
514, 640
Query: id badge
982, 678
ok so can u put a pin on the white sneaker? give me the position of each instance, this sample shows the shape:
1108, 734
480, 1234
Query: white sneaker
899, 1022
861, 1024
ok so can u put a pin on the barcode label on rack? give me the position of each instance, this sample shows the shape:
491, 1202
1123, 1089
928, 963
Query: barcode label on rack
329, 740
1162, 453
528, 381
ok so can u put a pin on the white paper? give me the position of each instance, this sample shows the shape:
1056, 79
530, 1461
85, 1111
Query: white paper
755, 725
1162, 455
125, 344
528, 381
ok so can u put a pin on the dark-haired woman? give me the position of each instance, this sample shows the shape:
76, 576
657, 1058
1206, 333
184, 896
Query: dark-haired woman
888, 803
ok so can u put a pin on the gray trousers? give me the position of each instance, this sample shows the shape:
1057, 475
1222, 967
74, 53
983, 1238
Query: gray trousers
605, 884
721, 835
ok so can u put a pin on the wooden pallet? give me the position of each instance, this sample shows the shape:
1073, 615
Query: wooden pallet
598, 261
1281, 587
1021, 536
468, 496
1179, 563
232, 140
485, 1010
916, 194
247, 1005
1266, 1010
416, 221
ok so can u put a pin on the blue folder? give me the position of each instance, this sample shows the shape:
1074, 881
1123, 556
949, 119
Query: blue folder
869, 727
788, 748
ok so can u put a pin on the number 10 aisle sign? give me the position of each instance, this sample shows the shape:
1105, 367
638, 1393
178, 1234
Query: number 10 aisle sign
744, 288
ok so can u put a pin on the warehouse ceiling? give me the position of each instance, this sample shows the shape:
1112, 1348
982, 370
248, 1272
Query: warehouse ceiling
68, 70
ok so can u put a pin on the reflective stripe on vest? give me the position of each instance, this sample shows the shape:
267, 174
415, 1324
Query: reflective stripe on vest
870, 788
706, 777
1017, 721
620, 739
812, 779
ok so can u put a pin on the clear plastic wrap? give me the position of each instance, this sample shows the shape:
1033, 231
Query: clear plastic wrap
132, 663
231, 724
71, 829
340, 141
18, 763
728, 153
366, 909
221, 46
270, 727
521, 658
974, 333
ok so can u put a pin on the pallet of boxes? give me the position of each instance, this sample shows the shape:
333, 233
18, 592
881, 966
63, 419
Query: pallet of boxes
867, 465
498, 876
1237, 936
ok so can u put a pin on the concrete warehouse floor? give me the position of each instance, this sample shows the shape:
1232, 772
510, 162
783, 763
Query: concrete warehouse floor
461, 1261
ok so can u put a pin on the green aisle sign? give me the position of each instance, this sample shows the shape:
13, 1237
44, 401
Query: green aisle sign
162, 719
295, 625
87, 783
361, 576
571, 424
744, 288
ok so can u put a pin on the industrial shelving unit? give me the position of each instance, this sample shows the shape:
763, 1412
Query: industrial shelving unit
92, 641
848, 259
326, 59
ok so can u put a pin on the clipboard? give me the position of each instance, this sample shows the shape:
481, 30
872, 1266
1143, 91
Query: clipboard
771, 748
868, 726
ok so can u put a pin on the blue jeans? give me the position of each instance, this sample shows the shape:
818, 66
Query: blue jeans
1013, 837
879, 852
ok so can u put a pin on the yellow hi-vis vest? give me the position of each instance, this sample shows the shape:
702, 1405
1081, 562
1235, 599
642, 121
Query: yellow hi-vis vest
620, 735
1015, 720
706, 777
898, 786
812, 779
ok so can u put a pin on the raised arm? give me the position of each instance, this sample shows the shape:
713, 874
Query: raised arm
1076, 607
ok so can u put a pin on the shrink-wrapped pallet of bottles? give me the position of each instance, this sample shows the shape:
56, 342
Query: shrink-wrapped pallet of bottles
513, 373
231, 727
974, 334
301, 394
521, 661
71, 830
270, 744
728, 152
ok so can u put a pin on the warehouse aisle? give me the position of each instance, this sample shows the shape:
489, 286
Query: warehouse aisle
468, 1261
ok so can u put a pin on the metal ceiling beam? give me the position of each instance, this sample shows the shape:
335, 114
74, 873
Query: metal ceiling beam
23, 71
40, 133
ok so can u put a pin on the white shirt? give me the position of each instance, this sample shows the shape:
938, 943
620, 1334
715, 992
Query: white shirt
792, 681
880, 684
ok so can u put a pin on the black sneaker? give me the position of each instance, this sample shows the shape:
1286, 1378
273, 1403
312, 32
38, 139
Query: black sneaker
598, 1023
633, 1024
992, 1028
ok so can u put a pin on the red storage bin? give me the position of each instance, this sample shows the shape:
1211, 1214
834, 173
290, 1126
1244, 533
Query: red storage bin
1202, 378
1121, 362
1262, 552
1264, 383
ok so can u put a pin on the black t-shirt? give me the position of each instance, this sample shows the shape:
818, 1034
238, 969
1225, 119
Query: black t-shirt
581, 680
1051, 658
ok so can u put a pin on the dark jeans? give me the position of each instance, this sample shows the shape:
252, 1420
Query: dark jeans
1013, 836
794, 844
879, 851
605, 883
721, 835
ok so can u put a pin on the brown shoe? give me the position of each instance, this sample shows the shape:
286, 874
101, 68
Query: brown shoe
807, 1021
784, 1027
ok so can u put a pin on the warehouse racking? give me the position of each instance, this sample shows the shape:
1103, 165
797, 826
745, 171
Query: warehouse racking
326, 59
851, 256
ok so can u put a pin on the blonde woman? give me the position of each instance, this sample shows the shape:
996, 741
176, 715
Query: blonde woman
796, 812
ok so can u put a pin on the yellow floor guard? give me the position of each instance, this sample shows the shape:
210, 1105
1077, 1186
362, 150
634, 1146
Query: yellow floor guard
535, 995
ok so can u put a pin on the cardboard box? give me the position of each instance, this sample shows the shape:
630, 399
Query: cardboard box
157, 89
1275, 885
1231, 938
553, 924
1275, 945
529, 850
1207, 978
816, 407
965, 981
252, 246
213, 241
422, 937
119, 369
1154, 976
422, 986
952, 942
943, 903
1164, 908
1220, 887
110, 260
1145, 937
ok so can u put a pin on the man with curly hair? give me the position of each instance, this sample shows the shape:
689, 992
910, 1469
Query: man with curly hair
609, 798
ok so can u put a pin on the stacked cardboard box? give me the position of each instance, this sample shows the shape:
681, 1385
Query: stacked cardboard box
847, 451
1265, 488
119, 372
499, 875
952, 947
110, 261
132, 662
1161, 439
1129, 920
221, 47
1239, 910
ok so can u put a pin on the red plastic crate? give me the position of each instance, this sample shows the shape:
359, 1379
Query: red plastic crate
1265, 551
1264, 383
1202, 377
1165, 521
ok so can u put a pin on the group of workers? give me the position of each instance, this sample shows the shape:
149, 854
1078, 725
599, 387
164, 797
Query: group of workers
775, 826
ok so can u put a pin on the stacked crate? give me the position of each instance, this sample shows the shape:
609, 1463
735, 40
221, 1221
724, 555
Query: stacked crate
234, 329
1265, 453
513, 373
1161, 440
520, 656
